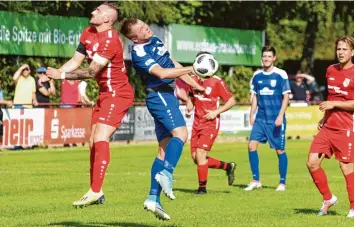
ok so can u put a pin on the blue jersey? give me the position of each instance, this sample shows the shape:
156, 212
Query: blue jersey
269, 88
146, 55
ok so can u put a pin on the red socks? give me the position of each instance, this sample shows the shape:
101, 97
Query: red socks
202, 172
100, 163
92, 160
216, 164
350, 187
320, 180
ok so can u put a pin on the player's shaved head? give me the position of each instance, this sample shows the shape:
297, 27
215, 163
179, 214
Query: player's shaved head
112, 11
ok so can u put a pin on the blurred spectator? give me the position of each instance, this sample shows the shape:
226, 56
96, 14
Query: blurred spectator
2, 103
44, 90
301, 88
83, 98
69, 93
25, 91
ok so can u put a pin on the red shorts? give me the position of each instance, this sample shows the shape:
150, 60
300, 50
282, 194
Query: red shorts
110, 110
339, 142
203, 139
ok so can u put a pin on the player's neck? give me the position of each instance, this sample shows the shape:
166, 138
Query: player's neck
268, 69
346, 65
102, 27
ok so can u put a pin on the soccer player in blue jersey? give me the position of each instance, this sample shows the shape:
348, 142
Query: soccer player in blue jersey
158, 71
271, 90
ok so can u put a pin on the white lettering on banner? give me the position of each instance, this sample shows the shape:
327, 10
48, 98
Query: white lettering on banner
299, 115
23, 127
225, 48
55, 126
68, 133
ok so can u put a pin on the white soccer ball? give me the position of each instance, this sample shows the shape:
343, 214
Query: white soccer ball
205, 65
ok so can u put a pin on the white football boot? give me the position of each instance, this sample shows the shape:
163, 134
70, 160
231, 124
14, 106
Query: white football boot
90, 198
253, 185
351, 214
326, 205
156, 208
281, 188
166, 183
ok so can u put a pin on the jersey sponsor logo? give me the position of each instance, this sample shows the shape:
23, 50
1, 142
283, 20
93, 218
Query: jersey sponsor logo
346, 82
266, 91
208, 90
149, 61
337, 90
273, 83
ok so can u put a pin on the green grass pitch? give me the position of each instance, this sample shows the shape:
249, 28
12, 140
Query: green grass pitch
37, 188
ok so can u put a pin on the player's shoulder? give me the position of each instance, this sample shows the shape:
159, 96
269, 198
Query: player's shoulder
217, 79
89, 29
139, 50
334, 67
257, 73
280, 72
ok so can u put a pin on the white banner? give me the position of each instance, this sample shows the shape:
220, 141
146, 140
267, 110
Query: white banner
23, 127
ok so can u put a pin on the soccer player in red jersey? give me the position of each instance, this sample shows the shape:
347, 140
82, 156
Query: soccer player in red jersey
101, 44
206, 126
336, 135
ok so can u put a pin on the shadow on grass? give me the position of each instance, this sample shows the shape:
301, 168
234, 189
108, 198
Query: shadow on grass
193, 191
312, 211
123, 224
242, 186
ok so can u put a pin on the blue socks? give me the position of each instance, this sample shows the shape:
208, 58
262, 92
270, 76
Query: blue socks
254, 164
283, 167
155, 188
172, 154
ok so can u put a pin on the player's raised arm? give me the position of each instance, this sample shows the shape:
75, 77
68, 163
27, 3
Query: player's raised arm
187, 78
75, 61
97, 64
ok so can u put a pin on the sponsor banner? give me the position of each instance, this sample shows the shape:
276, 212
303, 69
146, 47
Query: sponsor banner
303, 121
63, 126
144, 124
23, 127
126, 130
37, 35
229, 46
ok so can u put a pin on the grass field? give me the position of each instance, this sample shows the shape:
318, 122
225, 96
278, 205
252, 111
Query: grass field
38, 186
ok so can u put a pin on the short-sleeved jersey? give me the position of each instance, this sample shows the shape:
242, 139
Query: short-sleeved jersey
340, 88
215, 88
146, 55
269, 88
107, 44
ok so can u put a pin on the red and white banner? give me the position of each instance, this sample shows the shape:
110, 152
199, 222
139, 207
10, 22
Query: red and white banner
23, 127
64, 126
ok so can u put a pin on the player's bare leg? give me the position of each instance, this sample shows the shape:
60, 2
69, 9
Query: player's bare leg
254, 166
348, 172
152, 203
283, 162
321, 182
102, 134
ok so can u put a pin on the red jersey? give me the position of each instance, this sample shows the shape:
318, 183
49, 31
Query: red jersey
340, 88
107, 44
215, 88
69, 92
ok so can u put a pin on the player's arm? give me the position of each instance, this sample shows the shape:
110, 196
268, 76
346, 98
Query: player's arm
169, 73
254, 105
7, 103
97, 64
74, 62
187, 78
280, 116
213, 114
343, 105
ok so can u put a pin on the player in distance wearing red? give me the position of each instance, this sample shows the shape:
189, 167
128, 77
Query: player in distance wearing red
101, 44
336, 135
206, 126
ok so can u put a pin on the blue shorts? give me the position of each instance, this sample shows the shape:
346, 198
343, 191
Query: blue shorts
164, 108
263, 133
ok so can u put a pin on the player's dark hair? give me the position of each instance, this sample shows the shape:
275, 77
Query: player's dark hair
202, 52
126, 25
346, 39
113, 6
268, 49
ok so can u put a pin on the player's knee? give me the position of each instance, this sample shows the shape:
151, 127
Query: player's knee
251, 147
312, 166
181, 133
